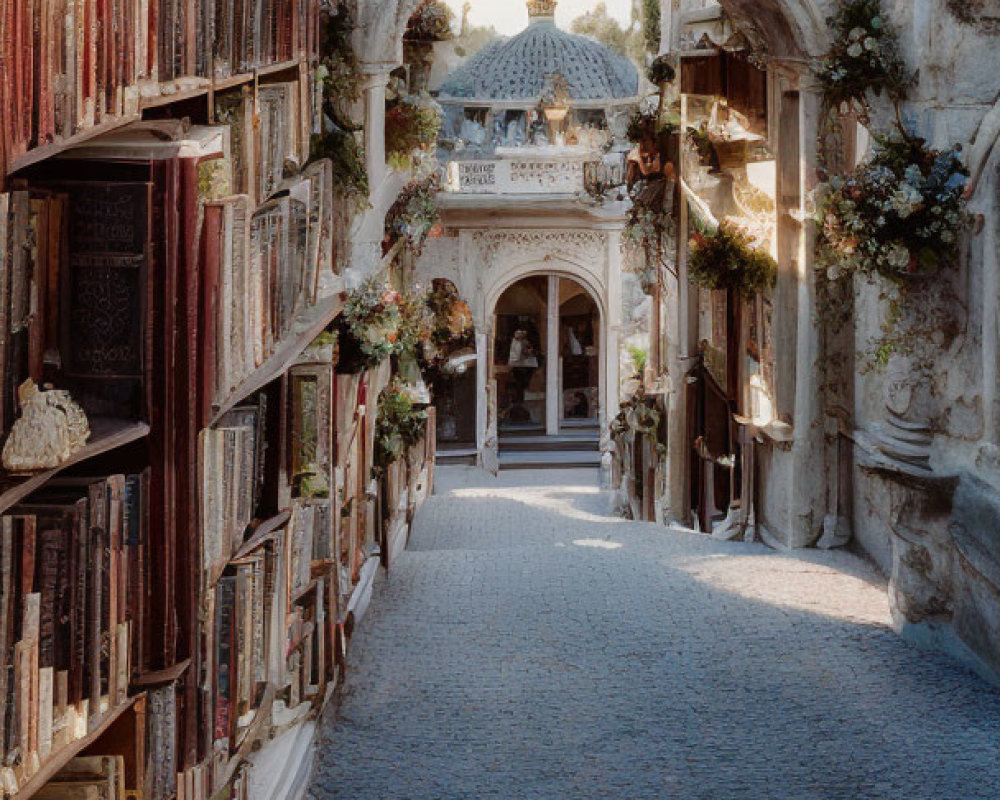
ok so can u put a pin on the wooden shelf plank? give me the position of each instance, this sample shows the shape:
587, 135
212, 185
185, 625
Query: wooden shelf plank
262, 533
105, 435
161, 676
281, 66
55, 148
305, 328
60, 758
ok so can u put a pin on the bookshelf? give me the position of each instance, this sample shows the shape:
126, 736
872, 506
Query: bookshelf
62, 757
106, 435
169, 253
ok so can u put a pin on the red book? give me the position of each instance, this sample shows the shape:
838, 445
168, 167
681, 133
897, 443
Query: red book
211, 233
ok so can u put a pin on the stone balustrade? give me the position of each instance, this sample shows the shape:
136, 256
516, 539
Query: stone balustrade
550, 170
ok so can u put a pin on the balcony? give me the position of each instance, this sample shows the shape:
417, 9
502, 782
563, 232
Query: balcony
535, 170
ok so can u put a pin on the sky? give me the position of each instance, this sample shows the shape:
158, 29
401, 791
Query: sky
511, 16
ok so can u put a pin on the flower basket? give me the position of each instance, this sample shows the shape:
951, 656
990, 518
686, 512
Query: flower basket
731, 153
399, 424
899, 214
370, 327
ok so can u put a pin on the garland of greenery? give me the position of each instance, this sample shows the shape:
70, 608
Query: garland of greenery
399, 425
414, 213
651, 25
725, 260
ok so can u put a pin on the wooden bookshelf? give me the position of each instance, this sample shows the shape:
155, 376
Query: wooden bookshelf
105, 435
305, 328
60, 758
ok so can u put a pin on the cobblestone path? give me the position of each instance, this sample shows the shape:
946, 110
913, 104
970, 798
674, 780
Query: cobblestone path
529, 646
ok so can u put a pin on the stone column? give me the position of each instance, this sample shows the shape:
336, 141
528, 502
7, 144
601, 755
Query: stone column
808, 489
482, 376
552, 398
612, 324
376, 79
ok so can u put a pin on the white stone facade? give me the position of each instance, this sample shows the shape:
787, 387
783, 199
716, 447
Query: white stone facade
829, 473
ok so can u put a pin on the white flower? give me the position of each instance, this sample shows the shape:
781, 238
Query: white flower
870, 43
877, 23
856, 34
854, 50
899, 257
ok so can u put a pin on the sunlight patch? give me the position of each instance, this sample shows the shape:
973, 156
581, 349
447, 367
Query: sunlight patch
598, 543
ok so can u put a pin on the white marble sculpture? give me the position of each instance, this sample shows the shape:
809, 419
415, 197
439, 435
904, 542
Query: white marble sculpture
52, 427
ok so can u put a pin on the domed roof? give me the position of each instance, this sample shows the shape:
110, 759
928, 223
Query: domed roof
523, 67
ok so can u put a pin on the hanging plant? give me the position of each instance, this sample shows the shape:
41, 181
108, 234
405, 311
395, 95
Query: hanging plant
452, 328
418, 322
399, 424
726, 260
370, 327
900, 213
350, 174
339, 74
412, 124
661, 71
414, 213
649, 226
864, 59
431, 22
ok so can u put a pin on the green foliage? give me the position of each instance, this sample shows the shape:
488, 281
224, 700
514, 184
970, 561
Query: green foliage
864, 58
350, 174
639, 356
431, 22
661, 70
600, 25
651, 25
412, 124
414, 213
339, 69
399, 425
726, 260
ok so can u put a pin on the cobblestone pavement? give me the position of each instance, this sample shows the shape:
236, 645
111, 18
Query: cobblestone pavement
529, 646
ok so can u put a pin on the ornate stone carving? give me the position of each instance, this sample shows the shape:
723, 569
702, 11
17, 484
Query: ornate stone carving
52, 427
552, 175
507, 246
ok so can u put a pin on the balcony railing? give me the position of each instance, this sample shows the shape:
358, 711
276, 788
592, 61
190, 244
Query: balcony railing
535, 170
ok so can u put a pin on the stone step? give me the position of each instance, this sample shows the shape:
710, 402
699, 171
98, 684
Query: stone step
564, 442
552, 459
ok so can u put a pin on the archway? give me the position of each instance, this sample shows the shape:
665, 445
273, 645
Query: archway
546, 355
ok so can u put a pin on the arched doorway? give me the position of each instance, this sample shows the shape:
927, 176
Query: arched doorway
546, 356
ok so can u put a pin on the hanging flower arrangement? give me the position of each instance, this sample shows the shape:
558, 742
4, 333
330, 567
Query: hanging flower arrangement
412, 124
414, 214
865, 57
399, 425
370, 326
339, 75
725, 259
453, 324
418, 322
431, 22
900, 213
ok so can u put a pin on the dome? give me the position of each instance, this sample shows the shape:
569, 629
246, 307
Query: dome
521, 69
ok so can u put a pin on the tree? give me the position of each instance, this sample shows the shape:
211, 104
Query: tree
472, 37
600, 25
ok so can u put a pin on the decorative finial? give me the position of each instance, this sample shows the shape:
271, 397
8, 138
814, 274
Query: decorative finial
542, 8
